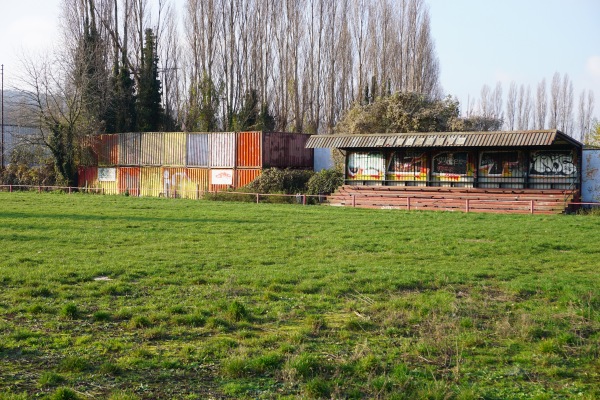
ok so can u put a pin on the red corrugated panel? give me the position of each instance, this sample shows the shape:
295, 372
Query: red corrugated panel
129, 180
87, 176
245, 176
108, 153
248, 149
284, 149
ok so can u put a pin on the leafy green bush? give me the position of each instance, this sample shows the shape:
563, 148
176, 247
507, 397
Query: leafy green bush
325, 181
288, 181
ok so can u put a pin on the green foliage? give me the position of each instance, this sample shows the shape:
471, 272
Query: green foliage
401, 112
121, 114
275, 180
325, 181
409, 112
70, 311
150, 114
64, 393
28, 165
250, 118
51, 379
203, 106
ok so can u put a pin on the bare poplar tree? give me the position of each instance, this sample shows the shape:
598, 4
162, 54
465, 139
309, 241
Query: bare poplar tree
586, 109
565, 121
554, 108
511, 106
541, 105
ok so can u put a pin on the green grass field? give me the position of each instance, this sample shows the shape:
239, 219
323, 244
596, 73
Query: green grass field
126, 298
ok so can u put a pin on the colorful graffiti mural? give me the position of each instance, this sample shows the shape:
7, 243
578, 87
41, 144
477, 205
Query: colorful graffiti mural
552, 163
407, 165
501, 163
366, 166
452, 163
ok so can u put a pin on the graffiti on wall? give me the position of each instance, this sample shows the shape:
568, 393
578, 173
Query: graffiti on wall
501, 163
366, 165
407, 165
552, 163
453, 163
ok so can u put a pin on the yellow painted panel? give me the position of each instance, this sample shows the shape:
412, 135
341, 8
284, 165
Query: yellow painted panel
174, 149
151, 181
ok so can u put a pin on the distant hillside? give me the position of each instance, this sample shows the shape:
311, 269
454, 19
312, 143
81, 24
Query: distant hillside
14, 104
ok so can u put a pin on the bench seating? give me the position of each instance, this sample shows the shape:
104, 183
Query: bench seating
540, 201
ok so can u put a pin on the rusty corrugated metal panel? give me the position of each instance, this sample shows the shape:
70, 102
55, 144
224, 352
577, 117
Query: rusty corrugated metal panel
129, 148
129, 180
152, 148
174, 149
249, 149
286, 149
151, 181
87, 176
222, 150
108, 152
199, 180
245, 176
197, 149
107, 180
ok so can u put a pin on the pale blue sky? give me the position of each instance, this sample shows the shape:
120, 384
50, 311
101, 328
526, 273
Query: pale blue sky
478, 41
481, 42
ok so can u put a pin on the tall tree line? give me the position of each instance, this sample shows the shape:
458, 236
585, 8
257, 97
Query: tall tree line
547, 106
293, 65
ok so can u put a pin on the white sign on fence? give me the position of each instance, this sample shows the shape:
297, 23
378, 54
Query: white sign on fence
221, 176
107, 174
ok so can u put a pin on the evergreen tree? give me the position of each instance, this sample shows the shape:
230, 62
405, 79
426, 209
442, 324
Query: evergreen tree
121, 114
204, 103
90, 71
150, 114
250, 117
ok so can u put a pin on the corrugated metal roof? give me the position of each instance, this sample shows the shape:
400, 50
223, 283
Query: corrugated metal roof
443, 139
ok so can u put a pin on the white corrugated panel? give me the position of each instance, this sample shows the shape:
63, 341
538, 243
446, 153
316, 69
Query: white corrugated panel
222, 150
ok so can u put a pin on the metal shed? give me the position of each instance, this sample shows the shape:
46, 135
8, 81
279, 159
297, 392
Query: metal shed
538, 159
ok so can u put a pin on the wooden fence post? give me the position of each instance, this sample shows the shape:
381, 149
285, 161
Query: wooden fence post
531, 207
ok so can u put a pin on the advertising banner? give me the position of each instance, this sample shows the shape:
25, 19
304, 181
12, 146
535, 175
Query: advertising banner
221, 177
107, 174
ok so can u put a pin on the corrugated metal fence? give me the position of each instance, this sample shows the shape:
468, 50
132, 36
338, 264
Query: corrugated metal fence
187, 164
